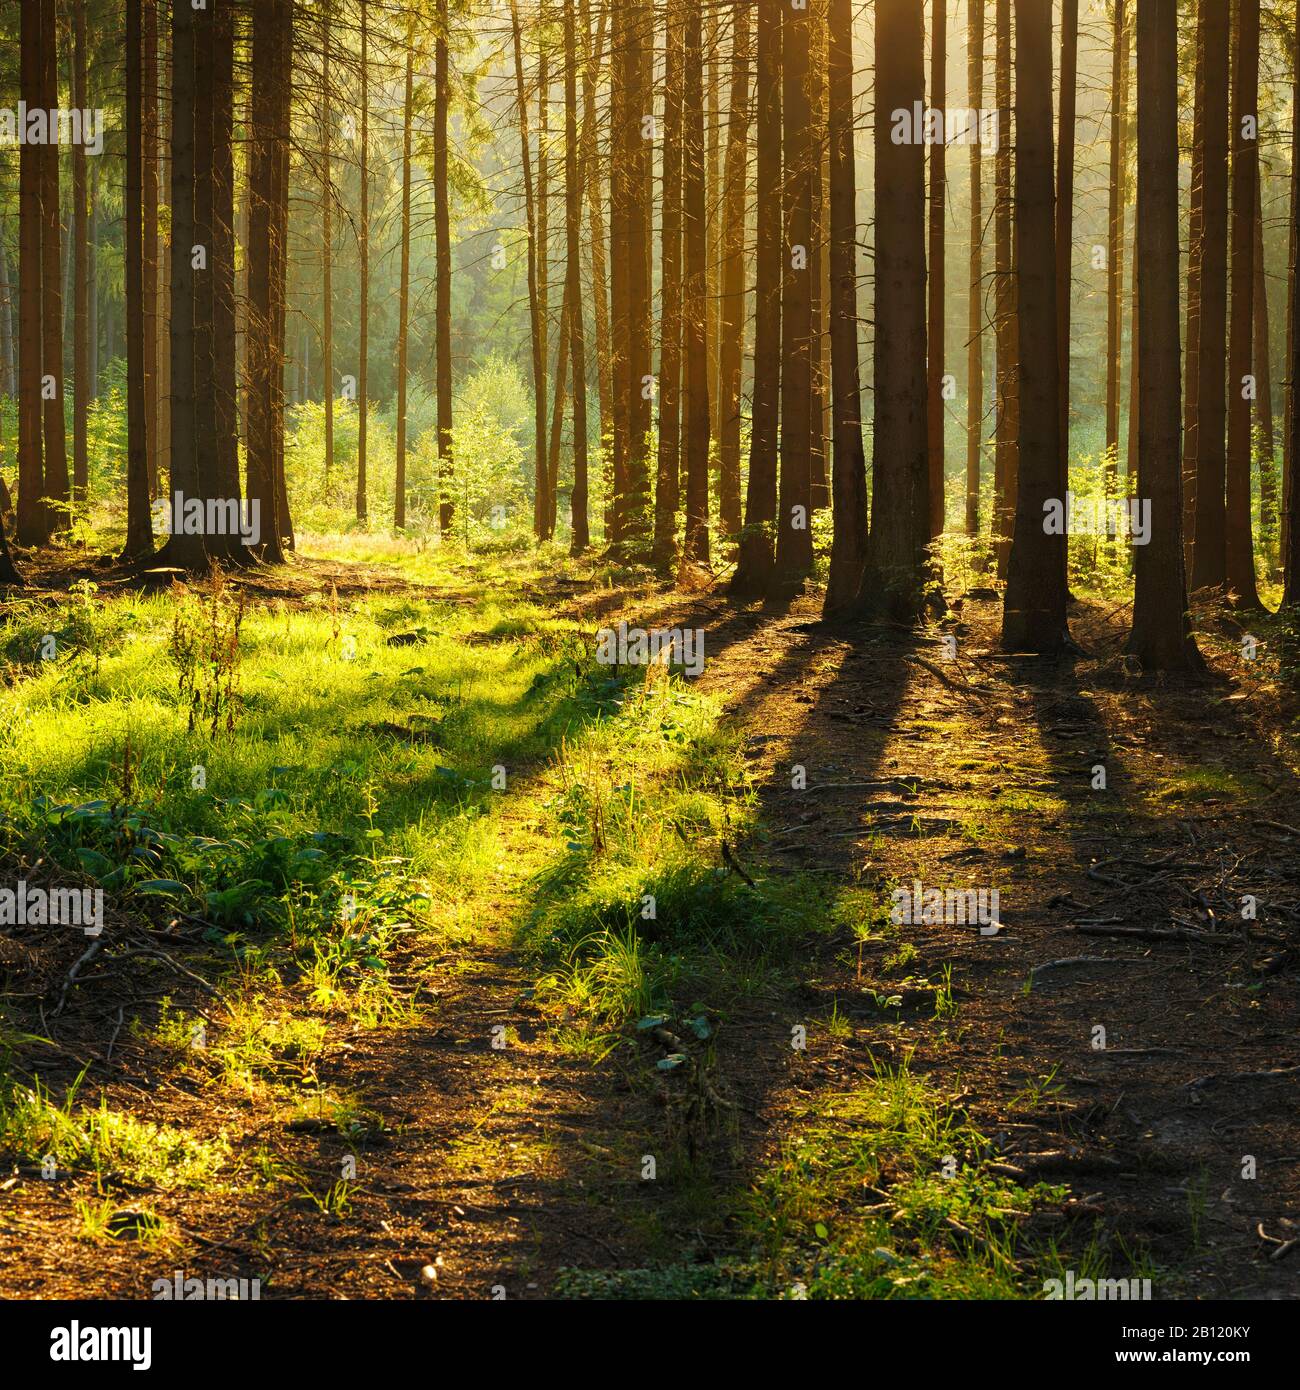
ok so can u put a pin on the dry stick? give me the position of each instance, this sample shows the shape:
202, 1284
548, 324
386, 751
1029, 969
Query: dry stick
81, 960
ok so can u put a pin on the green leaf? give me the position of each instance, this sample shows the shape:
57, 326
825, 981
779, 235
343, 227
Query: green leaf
160, 885
652, 1021
671, 1062
822, 1232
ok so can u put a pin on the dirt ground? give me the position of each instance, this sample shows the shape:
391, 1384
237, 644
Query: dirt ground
1120, 910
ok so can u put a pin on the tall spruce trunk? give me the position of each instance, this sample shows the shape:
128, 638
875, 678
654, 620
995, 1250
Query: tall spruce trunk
1209, 554
442, 236
1240, 552
404, 285
894, 580
363, 256
80, 347
580, 532
1033, 614
1161, 635
935, 285
695, 292
139, 538
1065, 220
1007, 429
848, 460
668, 463
754, 568
975, 315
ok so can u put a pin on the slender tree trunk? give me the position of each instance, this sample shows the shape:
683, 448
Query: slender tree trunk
1195, 256
404, 288
975, 319
558, 403
581, 537
1008, 425
534, 293
732, 329
80, 348
622, 38
695, 293
849, 547
224, 361
819, 488
327, 235
712, 203
1264, 437
8, 376
185, 550
139, 531
900, 504
1209, 554
1033, 616
1115, 247
264, 350
544, 253
33, 522
1245, 175
1065, 221
442, 234
363, 251
1291, 493
639, 62
794, 506
593, 184
936, 287
204, 145
670, 297
56, 448
754, 567
149, 225
1161, 636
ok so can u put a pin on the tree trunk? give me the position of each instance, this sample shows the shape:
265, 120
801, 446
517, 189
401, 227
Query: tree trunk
794, 506
8, 381
363, 252
1245, 176
1209, 555
1065, 221
327, 236
900, 506
1115, 247
732, 324
225, 409
936, 286
596, 220
139, 531
975, 318
187, 551
1007, 427
755, 562
670, 297
404, 288
56, 448
1161, 636
149, 231
1264, 438
442, 234
849, 491
80, 348
1033, 616
580, 533
1291, 493
33, 523
1195, 255
695, 293
534, 300
819, 490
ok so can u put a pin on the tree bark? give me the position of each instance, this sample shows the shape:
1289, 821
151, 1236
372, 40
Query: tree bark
139, 531
754, 566
732, 322
1245, 176
849, 478
894, 579
1007, 426
695, 293
80, 347
1209, 555
442, 235
580, 533
363, 255
1161, 635
794, 505
936, 287
668, 469
1065, 221
404, 286
1115, 246
975, 318
1033, 615
56, 448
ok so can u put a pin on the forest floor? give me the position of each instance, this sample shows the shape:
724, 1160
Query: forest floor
504, 1063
